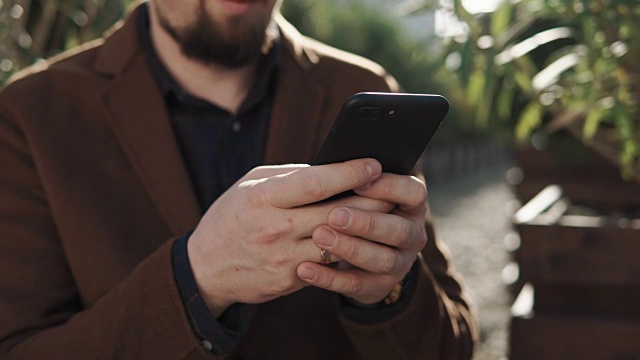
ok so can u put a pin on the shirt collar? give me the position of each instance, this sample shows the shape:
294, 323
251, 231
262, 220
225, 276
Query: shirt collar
269, 64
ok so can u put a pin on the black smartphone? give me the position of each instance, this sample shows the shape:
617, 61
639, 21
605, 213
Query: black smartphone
393, 128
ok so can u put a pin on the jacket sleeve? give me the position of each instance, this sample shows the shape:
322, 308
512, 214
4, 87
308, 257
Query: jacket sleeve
437, 323
42, 314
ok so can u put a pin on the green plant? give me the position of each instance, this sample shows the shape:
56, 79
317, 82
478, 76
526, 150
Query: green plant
35, 30
360, 28
538, 66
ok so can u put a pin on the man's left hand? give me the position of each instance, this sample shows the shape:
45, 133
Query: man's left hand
381, 246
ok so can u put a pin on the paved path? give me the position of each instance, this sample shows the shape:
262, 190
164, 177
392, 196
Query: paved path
472, 213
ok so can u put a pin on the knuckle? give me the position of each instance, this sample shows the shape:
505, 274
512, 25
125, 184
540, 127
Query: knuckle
259, 172
274, 232
416, 202
403, 233
325, 280
353, 285
388, 263
420, 197
423, 193
258, 169
257, 196
354, 177
269, 237
388, 187
253, 173
422, 238
280, 259
284, 286
312, 186
354, 250
371, 224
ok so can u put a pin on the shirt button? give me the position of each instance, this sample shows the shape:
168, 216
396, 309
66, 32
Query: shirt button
207, 345
236, 126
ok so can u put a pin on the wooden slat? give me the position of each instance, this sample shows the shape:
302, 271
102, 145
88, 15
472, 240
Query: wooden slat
590, 180
604, 300
556, 337
579, 254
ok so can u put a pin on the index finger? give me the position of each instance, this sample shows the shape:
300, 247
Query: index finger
409, 192
316, 183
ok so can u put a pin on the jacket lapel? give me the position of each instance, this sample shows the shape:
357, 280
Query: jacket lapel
139, 118
296, 118
138, 115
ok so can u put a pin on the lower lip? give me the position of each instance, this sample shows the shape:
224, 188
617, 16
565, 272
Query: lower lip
238, 6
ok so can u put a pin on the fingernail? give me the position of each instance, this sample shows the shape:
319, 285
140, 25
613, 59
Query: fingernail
340, 218
307, 274
374, 168
325, 237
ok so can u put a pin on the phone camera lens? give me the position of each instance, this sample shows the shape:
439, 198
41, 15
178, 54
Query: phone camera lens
369, 113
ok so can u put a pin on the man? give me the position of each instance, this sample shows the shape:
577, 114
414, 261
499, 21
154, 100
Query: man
135, 223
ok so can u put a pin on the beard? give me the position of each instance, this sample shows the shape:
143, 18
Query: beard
232, 45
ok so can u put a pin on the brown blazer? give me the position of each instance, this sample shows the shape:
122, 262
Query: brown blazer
93, 190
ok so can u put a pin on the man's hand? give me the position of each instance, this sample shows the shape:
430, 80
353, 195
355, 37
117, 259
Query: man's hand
250, 242
382, 246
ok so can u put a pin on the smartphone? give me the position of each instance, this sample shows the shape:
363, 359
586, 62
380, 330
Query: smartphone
393, 128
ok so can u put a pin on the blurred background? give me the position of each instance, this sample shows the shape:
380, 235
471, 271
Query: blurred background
533, 176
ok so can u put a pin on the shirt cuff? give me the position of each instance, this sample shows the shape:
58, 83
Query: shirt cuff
217, 335
382, 312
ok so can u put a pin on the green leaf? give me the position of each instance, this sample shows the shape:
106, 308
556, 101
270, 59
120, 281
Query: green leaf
501, 18
629, 146
523, 80
624, 123
485, 104
530, 119
476, 87
592, 123
628, 158
504, 103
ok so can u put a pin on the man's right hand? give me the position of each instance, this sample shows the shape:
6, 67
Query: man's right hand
251, 240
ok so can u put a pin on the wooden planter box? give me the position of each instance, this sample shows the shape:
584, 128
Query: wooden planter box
585, 272
578, 262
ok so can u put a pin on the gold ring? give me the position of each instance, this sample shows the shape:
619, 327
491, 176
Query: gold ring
325, 257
